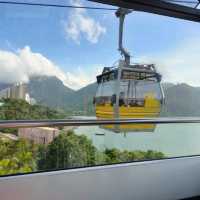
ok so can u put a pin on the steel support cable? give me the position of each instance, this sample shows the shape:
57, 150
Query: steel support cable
56, 5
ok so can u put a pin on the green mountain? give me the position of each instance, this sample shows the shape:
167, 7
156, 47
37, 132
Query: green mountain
52, 92
83, 98
49, 91
180, 99
4, 85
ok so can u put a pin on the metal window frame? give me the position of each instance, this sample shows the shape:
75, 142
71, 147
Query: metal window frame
159, 7
172, 178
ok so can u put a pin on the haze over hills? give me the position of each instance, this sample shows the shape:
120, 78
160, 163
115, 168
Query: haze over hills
4, 85
52, 92
49, 91
180, 99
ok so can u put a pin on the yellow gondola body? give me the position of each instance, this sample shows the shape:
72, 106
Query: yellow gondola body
151, 108
142, 96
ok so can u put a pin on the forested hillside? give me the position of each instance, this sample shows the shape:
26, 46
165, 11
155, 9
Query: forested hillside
180, 99
13, 109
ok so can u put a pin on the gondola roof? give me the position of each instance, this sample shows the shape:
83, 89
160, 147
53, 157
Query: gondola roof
138, 68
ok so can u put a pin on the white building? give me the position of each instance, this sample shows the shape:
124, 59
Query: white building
17, 91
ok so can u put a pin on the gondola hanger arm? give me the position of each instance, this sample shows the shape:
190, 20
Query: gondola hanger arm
121, 14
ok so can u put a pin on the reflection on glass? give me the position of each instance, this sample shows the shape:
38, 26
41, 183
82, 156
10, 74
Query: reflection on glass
40, 149
24, 150
71, 147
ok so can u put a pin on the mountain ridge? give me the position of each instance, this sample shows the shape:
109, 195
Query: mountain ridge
180, 99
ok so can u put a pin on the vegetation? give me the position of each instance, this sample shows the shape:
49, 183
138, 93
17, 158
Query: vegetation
69, 150
180, 99
66, 151
52, 92
17, 109
20, 109
117, 156
17, 156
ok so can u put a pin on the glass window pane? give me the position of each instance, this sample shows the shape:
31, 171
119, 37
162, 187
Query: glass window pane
49, 60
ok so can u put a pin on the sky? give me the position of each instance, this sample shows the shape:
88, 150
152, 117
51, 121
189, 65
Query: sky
75, 44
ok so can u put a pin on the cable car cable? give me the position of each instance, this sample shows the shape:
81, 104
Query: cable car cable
56, 5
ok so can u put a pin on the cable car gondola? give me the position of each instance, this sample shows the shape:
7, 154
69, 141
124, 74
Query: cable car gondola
128, 90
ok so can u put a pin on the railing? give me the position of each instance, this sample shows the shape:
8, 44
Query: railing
94, 122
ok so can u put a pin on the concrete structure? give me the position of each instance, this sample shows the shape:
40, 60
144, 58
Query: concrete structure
16, 91
39, 135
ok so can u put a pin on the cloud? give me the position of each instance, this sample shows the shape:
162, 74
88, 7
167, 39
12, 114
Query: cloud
179, 65
80, 24
23, 64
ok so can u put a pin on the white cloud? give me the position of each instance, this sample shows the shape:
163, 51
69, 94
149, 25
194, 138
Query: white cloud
181, 64
20, 66
79, 24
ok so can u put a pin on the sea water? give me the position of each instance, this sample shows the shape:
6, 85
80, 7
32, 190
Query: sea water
171, 139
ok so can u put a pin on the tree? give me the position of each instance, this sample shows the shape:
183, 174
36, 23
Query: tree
17, 157
117, 156
18, 109
68, 150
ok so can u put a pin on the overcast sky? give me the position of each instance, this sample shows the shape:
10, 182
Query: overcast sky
75, 44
